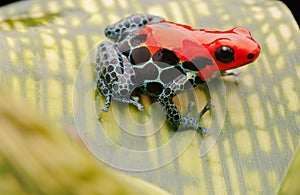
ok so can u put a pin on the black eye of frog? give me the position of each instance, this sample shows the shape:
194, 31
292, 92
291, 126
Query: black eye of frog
224, 54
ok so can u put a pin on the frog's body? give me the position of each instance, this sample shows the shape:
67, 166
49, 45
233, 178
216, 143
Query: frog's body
162, 58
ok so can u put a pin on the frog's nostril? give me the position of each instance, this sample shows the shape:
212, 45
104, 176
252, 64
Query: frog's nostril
250, 56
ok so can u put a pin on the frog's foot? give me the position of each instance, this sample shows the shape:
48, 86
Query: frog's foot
132, 100
173, 116
192, 123
135, 101
235, 73
135, 98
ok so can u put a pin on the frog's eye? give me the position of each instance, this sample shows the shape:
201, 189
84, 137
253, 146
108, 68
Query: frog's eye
224, 54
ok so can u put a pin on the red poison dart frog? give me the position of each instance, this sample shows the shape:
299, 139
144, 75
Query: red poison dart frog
162, 59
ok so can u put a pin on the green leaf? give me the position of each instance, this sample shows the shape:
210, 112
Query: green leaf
43, 60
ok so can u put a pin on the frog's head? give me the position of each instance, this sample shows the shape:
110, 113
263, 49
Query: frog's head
233, 48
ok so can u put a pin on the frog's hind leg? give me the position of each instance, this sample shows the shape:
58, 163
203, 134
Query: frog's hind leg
115, 31
113, 73
102, 87
173, 116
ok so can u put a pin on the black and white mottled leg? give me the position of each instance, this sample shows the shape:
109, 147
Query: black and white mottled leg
114, 31
104, 90
178, 121
113, 73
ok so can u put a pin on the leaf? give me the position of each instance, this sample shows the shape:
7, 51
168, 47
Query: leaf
37, 158
260, 127
290, 183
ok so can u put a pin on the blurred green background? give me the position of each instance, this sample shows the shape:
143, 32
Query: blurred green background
43, 44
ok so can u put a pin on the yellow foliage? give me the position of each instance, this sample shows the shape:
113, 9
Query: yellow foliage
37, 158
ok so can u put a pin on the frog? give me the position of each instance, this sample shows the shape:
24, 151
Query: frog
161, 58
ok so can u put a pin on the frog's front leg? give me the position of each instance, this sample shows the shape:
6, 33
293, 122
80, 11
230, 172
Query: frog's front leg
113, 73
234, 73
173, 116
115, 31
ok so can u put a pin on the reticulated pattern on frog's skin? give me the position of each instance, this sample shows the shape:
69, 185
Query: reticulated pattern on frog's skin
114, 72
163, 59
125, 66
115, 31
123, 77
153, 72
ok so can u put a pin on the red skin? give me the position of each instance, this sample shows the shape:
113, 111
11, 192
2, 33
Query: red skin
188, 43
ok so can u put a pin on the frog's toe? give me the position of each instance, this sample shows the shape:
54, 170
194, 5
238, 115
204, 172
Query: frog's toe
234, 73
210, 105
190, 106
135, 98
188, 122
192, 123
203, 130
104, 109
140, 107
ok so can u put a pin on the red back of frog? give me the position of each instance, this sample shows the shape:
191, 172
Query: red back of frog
218, 50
